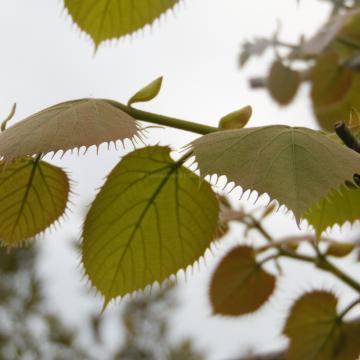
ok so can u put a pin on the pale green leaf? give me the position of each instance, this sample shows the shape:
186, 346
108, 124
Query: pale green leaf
33, 194
239, 284
338, 207
152, 218
147, 93
109, 19
317, 333
283, 83
237, 119
296, 166
66, 126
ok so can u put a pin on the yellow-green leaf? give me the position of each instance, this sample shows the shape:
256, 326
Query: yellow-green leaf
283, 83
237, 119
152, 218
147, 93
109, 19
66, 126
239, 284
296, 166
317, 333
354, 121
33, 194
338, 207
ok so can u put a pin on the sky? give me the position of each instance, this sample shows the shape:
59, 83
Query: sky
45, 59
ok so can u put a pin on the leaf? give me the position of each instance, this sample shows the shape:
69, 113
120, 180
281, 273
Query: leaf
239, 284
296, 166
109, 19
67, 126
340, 249
334, 92
147, 93
152, 218
283, 83
354, 121
237, 119
330, 81
316, 332
345, 25
338, 207
34, 194
254, 48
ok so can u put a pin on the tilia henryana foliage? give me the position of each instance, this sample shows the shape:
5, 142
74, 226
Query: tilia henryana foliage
155, 216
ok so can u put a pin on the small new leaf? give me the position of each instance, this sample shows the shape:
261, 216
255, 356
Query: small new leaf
239, 285
34, 194
66, 126
237, 119
340, 249
151, 218
147, 93
316, 331
291, 165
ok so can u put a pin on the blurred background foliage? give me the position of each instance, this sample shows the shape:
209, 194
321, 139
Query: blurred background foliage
29, 330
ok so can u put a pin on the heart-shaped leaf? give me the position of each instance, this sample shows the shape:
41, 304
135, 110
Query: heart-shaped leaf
152, 218
296, 166
335, 90
338, 207
65, 126
239, 284
33, 194
109, 19
316, 331
283, 83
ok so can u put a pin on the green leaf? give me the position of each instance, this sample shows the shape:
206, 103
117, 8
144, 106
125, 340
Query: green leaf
152, 218
34, 194
66, 126
109, 19
283, 83
338, 207
237, 119
296, 166
239, 284
317, 333
147, 93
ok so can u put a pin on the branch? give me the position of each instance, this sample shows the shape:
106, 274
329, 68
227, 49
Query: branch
164, 120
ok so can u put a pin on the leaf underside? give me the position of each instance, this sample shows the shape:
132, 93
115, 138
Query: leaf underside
32, 196
315, 333
66, 126
338, 207
151, 218
296, 166
239, 285
108, 19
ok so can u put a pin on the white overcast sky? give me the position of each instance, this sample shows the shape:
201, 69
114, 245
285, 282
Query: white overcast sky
45, 59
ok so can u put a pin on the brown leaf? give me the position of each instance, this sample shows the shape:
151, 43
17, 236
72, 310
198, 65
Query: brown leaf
283, 83
239, 284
